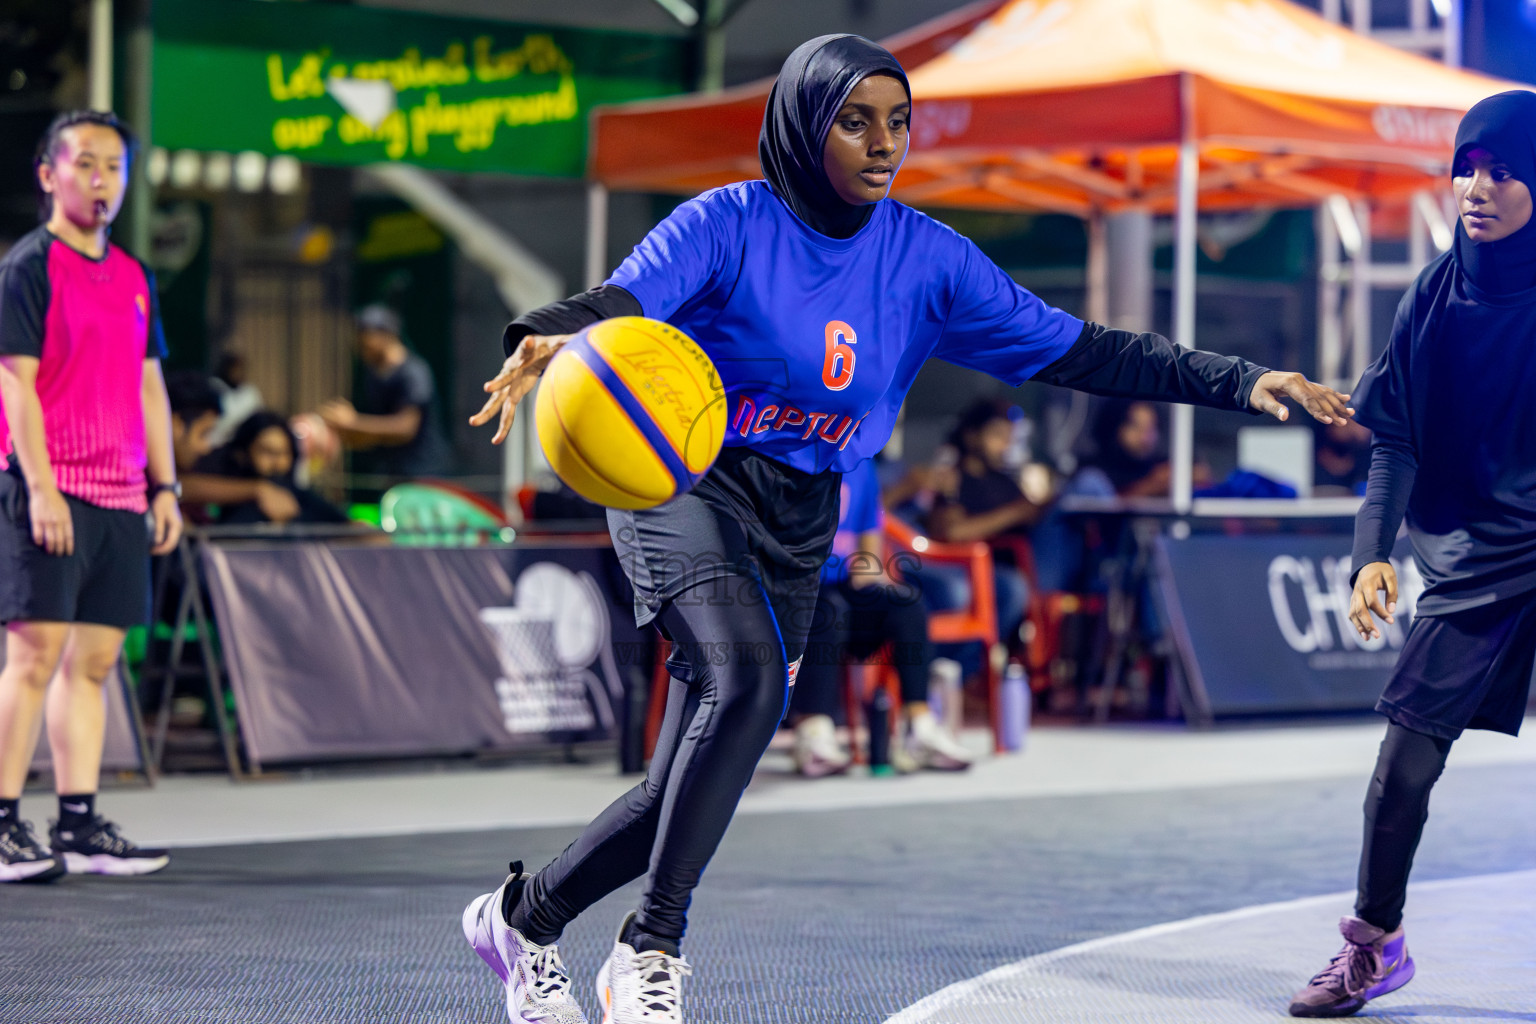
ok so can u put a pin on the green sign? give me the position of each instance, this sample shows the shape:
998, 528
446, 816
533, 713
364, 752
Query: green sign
351, 85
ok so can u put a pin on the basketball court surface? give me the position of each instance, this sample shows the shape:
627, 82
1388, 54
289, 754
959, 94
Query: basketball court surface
1103, 875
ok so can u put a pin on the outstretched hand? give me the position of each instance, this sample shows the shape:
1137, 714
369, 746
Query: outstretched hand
517, 377
1325, 404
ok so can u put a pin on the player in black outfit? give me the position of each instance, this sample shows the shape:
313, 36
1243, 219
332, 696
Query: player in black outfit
1455, 449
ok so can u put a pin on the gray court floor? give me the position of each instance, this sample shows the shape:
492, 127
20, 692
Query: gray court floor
836, 915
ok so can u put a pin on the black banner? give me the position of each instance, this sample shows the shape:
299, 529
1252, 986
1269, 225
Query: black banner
339, 652
1262, 623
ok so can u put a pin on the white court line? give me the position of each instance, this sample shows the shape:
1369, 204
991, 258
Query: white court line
961, 992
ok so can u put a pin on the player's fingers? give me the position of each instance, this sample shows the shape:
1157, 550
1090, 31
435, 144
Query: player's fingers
515, 368
1379, 607
488, 409
1266, 401
67, 537
508, 411
1315, 398
1391, 585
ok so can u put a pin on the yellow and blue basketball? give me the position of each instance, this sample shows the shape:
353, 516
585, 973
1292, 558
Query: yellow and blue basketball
630, 413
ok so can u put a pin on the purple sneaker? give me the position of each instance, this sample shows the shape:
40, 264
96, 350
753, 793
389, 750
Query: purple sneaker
1372, 963
538, 985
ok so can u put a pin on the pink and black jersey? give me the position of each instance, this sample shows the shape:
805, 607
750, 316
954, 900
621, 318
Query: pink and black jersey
91, 323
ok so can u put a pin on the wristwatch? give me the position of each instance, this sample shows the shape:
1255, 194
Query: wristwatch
174, 487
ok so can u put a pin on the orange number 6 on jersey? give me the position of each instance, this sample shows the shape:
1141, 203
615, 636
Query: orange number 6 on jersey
837, 371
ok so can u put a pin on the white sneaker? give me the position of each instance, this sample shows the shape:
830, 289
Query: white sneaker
538, 985
931, 745
816, 751
641, 988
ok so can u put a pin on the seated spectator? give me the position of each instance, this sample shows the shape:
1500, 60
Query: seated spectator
264, 450
1128, 450
195, 409
1342, 454
987, 504
859, 611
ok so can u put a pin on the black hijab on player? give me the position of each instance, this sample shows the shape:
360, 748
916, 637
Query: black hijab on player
1452, 396
1504, 125
812, 87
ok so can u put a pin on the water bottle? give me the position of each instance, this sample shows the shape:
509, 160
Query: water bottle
945, 699
877, 716
1014, 708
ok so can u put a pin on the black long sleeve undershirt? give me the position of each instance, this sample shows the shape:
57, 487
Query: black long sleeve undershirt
570, 315
1387, 489
1102, 361
1120, 364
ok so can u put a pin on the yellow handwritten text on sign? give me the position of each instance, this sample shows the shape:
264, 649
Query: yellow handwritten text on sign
536, 55
300, 132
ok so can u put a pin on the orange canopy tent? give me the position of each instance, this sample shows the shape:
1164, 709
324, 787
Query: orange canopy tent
1091, 106
1076, 105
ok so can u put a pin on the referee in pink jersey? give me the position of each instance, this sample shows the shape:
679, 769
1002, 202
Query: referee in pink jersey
88, 491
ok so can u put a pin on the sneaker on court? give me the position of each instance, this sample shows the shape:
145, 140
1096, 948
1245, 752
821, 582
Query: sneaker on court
931, 746
99, 849
538, 985
23, 858
1372, 963
816, 751
644, 987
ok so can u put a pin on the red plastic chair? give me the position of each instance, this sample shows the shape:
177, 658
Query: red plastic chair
977, 623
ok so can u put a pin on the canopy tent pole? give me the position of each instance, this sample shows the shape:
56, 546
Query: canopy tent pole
1183, 441
100, 72
1361, 280
1097, 305
597, 234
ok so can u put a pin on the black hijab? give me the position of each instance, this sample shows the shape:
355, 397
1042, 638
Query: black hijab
1504, 125
811, 88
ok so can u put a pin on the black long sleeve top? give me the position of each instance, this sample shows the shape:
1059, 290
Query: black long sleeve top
1102, 361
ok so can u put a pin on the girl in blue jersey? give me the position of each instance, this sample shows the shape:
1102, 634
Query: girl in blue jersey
818, 300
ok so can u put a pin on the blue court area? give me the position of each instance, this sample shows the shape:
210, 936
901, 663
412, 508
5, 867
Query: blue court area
821, 908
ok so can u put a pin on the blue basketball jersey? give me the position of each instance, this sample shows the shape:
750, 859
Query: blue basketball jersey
818, 339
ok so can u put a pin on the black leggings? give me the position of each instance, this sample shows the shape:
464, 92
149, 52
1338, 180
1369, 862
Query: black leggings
1396, 807
715, 730
855, 622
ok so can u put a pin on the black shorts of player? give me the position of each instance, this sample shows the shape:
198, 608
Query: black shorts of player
104, 582
1465, 670
751, 526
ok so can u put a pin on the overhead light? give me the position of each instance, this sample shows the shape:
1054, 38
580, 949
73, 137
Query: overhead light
250, 170
186, 168
157, 165
218, 169
1442, 8
285, 174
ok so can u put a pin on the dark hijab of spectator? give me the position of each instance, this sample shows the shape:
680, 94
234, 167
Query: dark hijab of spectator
1124, 463
253, 452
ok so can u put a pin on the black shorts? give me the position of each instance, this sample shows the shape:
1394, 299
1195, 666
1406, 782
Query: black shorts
105, 582
1465, 670
753, 529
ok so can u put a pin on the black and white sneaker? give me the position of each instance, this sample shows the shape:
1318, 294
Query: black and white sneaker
23, 858
98, 849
